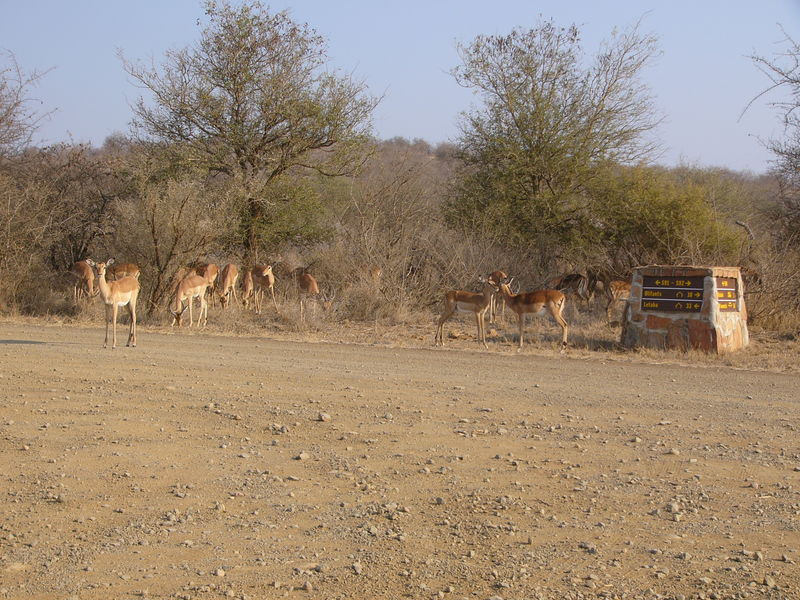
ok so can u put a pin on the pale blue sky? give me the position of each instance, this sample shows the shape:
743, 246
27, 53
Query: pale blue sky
405, 50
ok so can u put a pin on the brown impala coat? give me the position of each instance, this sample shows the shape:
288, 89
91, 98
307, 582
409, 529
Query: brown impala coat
616, 291
123, 292
189, 288
263, 279
84, 280
461, 301
534, 303
227, 284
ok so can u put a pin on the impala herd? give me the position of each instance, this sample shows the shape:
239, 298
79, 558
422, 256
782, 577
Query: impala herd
206, 282
497, 286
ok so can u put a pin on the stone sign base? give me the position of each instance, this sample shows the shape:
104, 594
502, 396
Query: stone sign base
686, 307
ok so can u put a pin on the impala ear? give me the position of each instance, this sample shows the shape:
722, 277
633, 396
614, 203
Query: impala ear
90, 262
110, 261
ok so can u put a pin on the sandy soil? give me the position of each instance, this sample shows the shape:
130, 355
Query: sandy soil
206, 466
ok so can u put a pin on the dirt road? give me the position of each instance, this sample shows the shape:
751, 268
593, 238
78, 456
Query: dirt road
201, 466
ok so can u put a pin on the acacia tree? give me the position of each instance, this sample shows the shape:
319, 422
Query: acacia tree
779, 268
545, 124
253, 101
783, 72
18, 118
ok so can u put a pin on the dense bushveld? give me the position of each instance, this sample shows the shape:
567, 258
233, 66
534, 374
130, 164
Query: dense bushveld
63, 204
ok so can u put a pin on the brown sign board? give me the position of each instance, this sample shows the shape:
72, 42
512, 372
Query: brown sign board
726, 283
685, 294
672, 294
672, 305
691, 283
727, 294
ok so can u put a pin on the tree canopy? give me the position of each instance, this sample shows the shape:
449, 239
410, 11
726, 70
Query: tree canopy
18, 118
253, 100
546, 123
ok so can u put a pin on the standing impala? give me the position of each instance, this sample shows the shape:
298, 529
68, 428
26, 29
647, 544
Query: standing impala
469, 302
120, 270
189, 288
247, 287
573, 284
616, 291
227, 284
84, 280
263, 279
495, 277
210, 271
534, 303
122, 292
307, 287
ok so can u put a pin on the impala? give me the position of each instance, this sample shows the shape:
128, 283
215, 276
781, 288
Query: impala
120, 270
575, 284
263, 279
123, 292
84, 280
227, 284
534, 303
209, 271
598, 279
461, 301
189, 288
616, 291
307, 287
495, 277
247, 287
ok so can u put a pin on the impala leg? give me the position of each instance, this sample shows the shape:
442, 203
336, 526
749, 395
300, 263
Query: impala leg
608, 311
203, 312
521, 328
114, 326
564, 330
191, 316
479, 315
132, 333
108, 317
440, 327
275, 304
